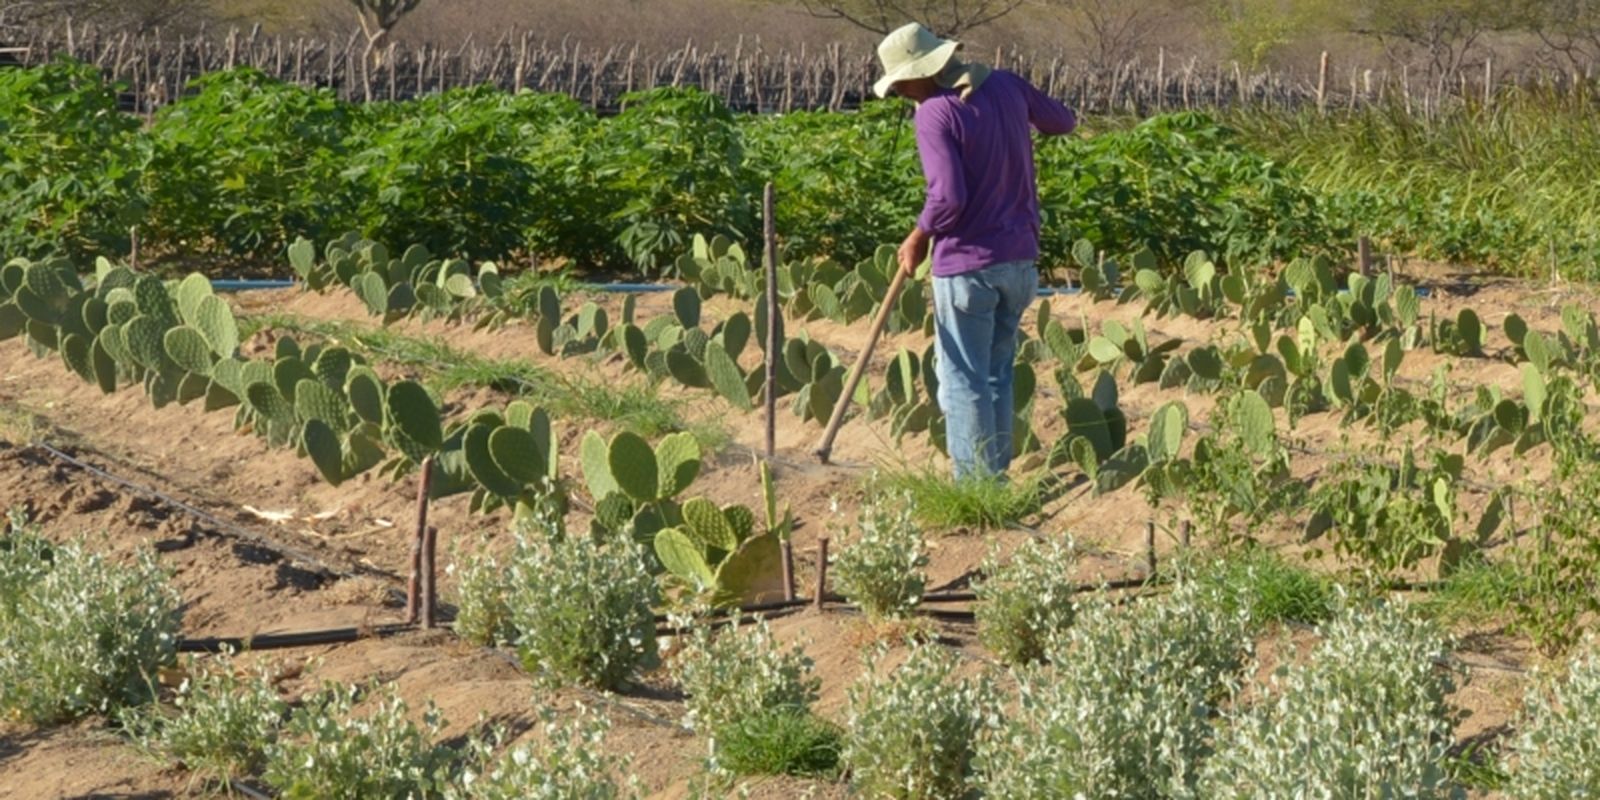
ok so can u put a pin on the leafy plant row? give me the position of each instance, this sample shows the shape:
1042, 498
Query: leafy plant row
242, 165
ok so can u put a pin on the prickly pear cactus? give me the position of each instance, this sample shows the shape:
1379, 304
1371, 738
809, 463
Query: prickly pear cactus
412, 413
633, 465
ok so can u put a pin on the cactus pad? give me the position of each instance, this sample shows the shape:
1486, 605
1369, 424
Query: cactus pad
686, 370
725, 376
751, 574
706, 523
332, 367
1254, 418
214, 319
519, 454
12, 321
144, 338
480, 461
322, 445
594, 457
373, 292
633, 465
104, 367
682, 557
366, 395
191, 290
1166, 431
686, 305
677, 460
269, 403
314, 400
287, 373
414, 413
188, 349
75, 354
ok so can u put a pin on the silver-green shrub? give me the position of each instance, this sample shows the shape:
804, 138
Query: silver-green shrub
1123, 707
1026, 599
570, 762
909, 733
881, 571
738, 673
1558, 749
581, 609
1363, 716
220, 722
79, 633
330, 749
482, 615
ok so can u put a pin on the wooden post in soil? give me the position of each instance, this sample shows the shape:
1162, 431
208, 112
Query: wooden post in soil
1322, 85
1150, 546
1364, 256
1183, 534
430, 594
788, 570
822, 571
414, 585
770, 258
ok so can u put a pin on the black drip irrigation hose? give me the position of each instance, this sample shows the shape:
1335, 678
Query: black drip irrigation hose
217, 524
281, 641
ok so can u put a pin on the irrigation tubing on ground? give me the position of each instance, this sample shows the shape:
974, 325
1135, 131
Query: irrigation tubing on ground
252, 284
281, 641
247, 790
221, 526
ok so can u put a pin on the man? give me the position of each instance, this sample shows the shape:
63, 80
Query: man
982, 213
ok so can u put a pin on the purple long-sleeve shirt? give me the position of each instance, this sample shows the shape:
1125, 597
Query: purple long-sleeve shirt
977, 155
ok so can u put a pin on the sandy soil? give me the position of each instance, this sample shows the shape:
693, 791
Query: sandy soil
325, 557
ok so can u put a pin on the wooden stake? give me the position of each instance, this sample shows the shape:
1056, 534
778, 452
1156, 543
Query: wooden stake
788, 570
1183, 533
1150, 546
414, 588
822, 571
1364, 256
770, 258
1322, 84
430, 594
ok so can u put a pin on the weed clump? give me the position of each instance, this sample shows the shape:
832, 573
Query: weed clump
1364, 716
220, 724
881, 571
79, 634
580, 610
910, 732
328, 750
1559, 748
1025, 600
570, 761
1124, 706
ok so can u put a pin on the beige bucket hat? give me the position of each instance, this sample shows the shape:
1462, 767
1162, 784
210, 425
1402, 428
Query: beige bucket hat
910, 52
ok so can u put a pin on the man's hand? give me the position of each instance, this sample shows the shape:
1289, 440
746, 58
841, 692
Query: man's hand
913, 251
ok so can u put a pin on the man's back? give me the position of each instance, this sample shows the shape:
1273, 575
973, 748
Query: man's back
977, 154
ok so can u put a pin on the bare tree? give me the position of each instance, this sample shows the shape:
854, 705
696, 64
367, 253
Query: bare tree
1445, 32
945, 17
378, 17
1570, 30
1115, 31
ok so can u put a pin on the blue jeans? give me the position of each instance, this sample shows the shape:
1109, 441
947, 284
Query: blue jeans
975, 318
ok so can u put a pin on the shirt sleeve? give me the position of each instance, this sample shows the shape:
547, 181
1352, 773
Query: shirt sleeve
941, 164
1050, 116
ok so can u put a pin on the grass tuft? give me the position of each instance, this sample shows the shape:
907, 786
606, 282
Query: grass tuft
780, 741
1479, 591
984, 503
1269, 587
635, 405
